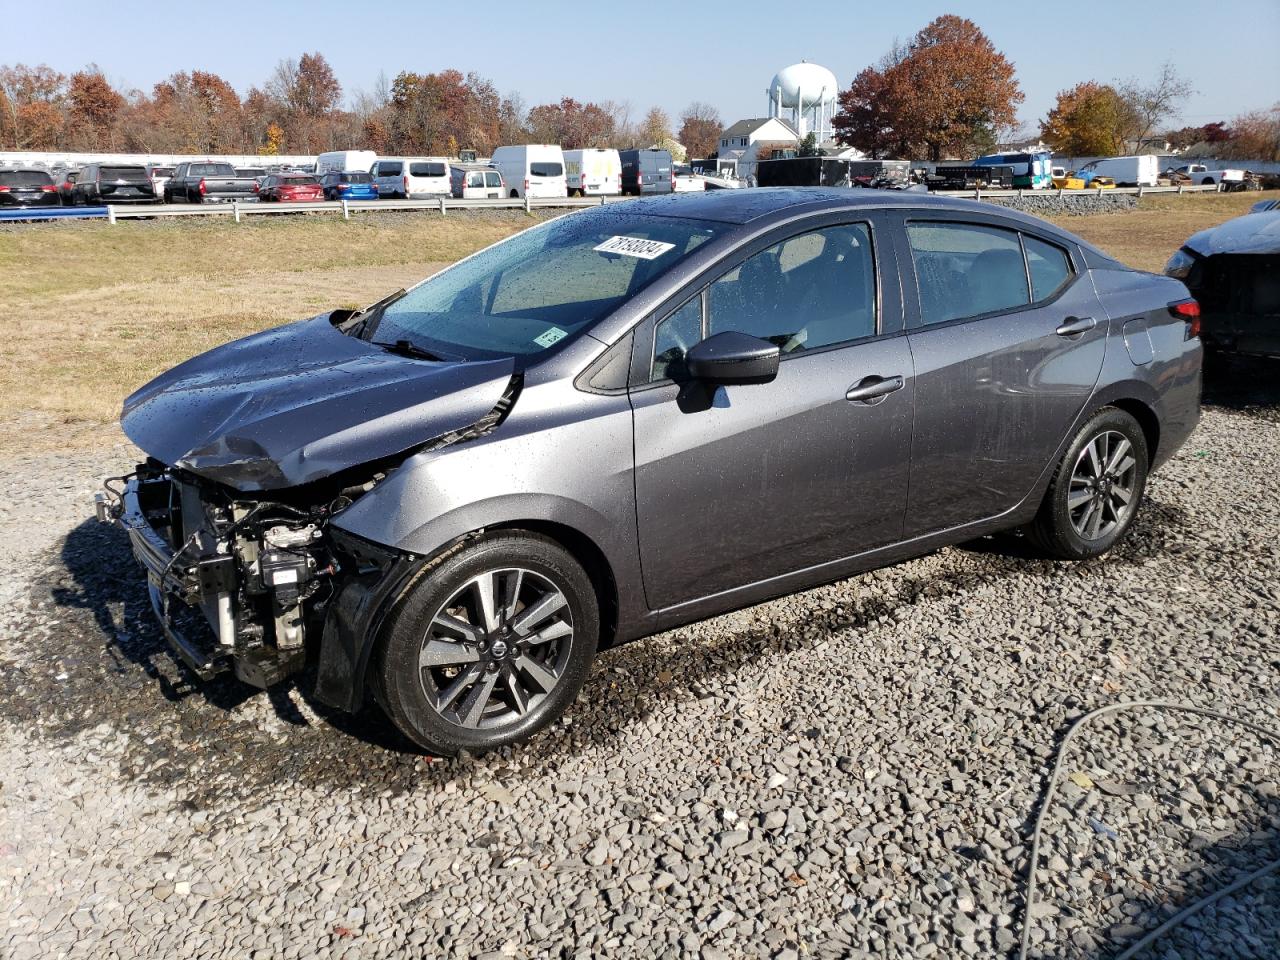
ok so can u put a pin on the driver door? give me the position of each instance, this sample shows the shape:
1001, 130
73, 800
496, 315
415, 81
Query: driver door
744, 483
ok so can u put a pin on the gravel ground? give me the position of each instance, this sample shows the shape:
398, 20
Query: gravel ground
1051, 204
853, 771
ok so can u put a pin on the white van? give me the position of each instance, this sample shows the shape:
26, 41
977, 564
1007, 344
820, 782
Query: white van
593, 172
1125, 171
413, 178
341, 161
533, 170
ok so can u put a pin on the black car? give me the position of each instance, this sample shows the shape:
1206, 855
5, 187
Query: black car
102, 183
28, 188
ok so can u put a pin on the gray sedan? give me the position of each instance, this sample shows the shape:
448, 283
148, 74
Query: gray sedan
634, 417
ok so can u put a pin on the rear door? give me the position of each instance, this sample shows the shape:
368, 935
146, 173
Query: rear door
750, 482
1008, 337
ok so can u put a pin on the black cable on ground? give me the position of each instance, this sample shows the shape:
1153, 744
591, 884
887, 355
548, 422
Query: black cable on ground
1047, 803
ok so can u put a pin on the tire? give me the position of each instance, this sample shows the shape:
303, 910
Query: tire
469, 696
1093, 526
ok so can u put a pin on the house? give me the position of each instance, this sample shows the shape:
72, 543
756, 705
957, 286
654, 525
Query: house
738, 143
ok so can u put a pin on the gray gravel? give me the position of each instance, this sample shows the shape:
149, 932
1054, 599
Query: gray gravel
853, 771
1049, 203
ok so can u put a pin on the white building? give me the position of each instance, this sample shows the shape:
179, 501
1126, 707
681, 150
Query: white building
740, 143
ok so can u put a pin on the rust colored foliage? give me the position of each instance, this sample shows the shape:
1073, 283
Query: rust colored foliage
1089, 120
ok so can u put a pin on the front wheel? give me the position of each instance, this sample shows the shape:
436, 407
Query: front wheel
1096, 490
490, 645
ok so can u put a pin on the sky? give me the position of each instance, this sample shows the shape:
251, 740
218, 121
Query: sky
666, 54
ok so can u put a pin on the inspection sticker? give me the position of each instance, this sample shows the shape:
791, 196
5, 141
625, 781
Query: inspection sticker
635, 247
553, 335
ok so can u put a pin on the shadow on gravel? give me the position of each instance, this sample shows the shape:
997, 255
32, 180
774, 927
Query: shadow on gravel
96, 663
1249, 385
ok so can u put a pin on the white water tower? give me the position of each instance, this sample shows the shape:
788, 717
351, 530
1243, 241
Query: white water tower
809, 93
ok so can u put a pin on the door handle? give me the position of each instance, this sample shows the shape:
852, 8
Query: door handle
1074, 326
870, 390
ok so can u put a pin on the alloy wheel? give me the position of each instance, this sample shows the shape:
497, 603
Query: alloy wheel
496, 648
1103, 481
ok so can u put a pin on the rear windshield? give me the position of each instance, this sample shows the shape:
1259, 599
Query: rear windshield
546, 169
298, 180
427, 169
250, 172
211, 170
386, 169
25, 178
123, 173
356, 178
543, 286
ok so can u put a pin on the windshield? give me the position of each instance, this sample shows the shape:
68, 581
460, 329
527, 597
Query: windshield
527, 294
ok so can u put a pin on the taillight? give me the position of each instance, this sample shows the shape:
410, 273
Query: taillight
406, 184
48, 187
1189, 311
201, 188
4, 189
526, 184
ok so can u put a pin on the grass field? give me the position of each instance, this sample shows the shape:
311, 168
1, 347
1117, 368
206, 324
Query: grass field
96, 310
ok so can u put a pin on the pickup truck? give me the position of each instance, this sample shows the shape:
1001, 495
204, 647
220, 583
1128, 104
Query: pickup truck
1199, 174
208, 181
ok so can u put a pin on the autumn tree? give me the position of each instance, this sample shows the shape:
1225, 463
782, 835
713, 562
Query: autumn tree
1088, 120
948, 90
511, 119
197, 112
1255, 136
31, 106
571, 124
305, 94
94, 106
655, 128
700, 128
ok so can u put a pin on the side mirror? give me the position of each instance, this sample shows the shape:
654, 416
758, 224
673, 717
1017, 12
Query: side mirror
733, 357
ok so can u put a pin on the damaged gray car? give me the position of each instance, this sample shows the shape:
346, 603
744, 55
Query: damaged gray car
1233, 271
633, 417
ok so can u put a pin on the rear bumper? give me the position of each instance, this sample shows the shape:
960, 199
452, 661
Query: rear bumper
50, 200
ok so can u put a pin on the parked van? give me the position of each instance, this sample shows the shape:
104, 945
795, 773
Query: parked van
476, 182
413, 178
1031, 171
647, 171
343, 160
1125, 171
532, 170
593, 172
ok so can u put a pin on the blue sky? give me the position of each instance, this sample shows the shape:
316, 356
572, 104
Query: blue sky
667, 54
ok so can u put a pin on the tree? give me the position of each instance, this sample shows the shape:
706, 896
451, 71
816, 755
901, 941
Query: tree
700, 128
1088, 120
571, 124
94, 107
656, 127
31, 100
809, 145
305, 94
1147, 105
948, 90
1255, 136
511, 119
197, 112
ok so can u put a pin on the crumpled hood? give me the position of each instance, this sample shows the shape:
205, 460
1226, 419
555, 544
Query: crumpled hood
301, 402
1252, 233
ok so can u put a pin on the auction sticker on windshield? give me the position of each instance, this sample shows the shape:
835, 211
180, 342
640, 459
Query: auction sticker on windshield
553, 335
635, 247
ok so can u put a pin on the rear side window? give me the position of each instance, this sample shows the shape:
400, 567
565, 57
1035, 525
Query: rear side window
539, 169
966, 270
427, 169
386, 169
25, 178
1049, 266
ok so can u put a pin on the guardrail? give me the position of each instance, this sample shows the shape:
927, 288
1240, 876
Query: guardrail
113, 212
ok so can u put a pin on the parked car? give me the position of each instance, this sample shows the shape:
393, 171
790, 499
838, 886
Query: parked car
647, 171
592, 172
534, 170
454, 497
1141, 171
1031, 171
1233, 271
253, 173
290, 188
159, 177
685, 180
1198, 173
66, 181
476, 183
412, 178
101, 183
348, 185
24, 187
208, 181
341, 160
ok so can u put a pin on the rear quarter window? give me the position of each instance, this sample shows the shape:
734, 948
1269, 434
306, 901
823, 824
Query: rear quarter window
1049, 266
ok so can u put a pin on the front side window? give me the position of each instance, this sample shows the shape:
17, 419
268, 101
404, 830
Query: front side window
966, 270
1049, 266
541, 287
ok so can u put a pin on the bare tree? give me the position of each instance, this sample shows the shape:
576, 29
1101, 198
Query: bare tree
1148, 105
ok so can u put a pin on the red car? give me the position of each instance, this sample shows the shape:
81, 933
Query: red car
290, 188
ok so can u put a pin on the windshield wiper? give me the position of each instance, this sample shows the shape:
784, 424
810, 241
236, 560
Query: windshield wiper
366, 321
405, 348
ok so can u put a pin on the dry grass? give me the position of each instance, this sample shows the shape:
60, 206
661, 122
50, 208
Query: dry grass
95, 310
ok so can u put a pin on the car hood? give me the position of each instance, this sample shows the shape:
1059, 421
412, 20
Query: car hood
301, 402
1252, 233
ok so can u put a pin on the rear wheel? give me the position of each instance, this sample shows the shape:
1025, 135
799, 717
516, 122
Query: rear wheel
1096, 490
490, 646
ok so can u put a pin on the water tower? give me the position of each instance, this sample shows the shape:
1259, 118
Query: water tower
809, 93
